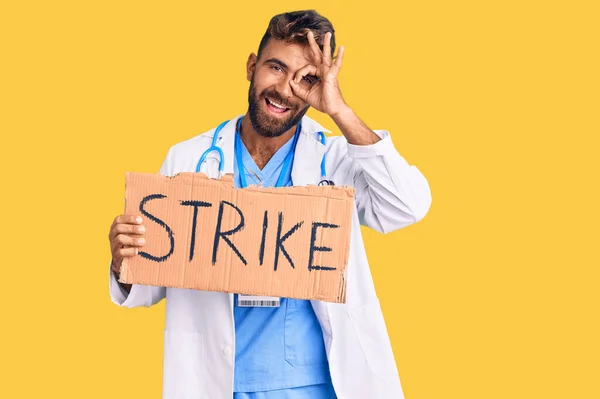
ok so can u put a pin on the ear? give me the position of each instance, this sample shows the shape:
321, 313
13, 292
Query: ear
250, 66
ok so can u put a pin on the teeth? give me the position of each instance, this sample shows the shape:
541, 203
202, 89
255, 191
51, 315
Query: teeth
273, 103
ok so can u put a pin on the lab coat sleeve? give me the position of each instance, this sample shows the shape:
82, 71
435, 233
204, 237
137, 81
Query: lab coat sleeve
140, 295
390, 193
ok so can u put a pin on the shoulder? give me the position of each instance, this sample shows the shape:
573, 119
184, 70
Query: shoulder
191, 146
182, 155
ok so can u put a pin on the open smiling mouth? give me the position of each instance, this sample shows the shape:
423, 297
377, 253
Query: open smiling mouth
275, 107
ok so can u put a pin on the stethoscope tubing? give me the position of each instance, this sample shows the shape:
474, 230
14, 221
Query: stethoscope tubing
214, 147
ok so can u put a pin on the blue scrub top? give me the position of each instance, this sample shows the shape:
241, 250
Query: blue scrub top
280, 353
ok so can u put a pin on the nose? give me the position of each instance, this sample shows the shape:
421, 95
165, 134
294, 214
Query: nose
284, 89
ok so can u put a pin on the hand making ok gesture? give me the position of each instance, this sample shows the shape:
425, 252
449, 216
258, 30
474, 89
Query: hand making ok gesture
324, 95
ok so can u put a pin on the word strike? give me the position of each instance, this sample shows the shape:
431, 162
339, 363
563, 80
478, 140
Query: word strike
222, 235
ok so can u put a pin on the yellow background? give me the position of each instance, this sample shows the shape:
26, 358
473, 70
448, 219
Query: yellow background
493, 295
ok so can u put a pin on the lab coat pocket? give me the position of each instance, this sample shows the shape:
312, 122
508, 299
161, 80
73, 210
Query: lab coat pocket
369, 327
182, 364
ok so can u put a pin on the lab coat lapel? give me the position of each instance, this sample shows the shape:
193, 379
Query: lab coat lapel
307, 160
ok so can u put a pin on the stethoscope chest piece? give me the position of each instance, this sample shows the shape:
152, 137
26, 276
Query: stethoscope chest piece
326, 182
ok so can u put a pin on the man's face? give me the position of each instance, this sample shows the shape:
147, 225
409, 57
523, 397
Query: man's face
273, 108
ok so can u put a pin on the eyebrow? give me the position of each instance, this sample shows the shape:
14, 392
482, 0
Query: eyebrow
276, 61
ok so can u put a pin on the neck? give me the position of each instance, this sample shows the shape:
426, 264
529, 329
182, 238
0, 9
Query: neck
262, 148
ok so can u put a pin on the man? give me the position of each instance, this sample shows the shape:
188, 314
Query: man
215, 348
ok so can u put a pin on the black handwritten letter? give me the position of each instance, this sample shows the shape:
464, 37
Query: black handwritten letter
195, 204
223, 234
261, 253
280, 240
313, 237
160, 223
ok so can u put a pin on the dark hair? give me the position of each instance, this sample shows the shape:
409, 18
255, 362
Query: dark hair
294, 26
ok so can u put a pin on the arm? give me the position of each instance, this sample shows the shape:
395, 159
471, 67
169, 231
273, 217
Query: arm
390, 193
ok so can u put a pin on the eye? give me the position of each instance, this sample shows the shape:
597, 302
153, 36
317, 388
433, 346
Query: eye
309, 79
277, 68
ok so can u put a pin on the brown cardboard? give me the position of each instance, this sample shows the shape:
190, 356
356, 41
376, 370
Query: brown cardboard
169, 200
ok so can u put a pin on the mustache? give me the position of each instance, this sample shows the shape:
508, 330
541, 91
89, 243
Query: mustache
277, 98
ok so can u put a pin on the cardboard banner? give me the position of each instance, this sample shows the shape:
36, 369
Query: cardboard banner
205, 234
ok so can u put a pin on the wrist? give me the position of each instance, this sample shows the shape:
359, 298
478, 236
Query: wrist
341, 113
353, 129
117, 273
114, 269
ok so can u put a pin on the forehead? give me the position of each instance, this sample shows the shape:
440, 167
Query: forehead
295, 56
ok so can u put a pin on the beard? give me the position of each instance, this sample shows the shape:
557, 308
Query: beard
265, 124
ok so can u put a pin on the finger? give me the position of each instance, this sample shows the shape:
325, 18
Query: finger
129, 229
127, 253
337, 65
316, 51
304, 71
327, 49
300, 86
299, 91
123, 239
128, 219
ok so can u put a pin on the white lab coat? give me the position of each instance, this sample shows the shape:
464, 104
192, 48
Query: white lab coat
199, 336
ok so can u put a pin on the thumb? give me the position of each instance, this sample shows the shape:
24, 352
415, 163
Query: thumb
298, 90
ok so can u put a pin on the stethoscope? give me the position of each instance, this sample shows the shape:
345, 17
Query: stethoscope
286, 164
